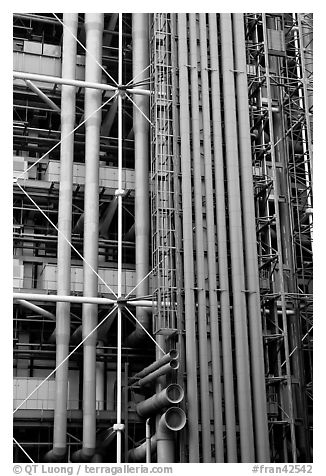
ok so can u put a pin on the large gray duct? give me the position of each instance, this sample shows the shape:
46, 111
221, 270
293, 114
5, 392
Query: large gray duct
93, 73
139, 453
172, 394
68, 101
173, 420
173, 354
140, 41
165, 369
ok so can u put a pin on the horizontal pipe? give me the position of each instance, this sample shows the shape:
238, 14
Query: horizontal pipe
56, 298
98, 300
172, 394
75, 82
35, 308
36, 18
173, 354
165, 369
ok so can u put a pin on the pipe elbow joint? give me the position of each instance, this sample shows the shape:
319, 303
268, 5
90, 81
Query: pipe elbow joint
83, 456
174, 419
56, 455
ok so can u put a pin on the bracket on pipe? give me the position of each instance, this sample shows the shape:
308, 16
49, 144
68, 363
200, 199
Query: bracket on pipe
118, 427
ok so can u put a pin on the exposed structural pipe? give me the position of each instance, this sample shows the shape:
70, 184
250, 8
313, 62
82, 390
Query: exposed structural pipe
199, 240
79, 299
76, 82
109, 118
211, 248
191, 354
36, 18
43, 96
94, 33
140, 61
172, 355
62, 331
108, 217
236, 245
119, 193
148, 441
36, 309
221, 229
251, 259
140, 452
172, 394
100, 370
165, 369
173, 420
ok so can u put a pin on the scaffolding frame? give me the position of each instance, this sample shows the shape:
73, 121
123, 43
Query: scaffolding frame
162, 178
280, 122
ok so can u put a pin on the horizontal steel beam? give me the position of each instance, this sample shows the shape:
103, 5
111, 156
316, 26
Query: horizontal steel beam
76, 82
80, 299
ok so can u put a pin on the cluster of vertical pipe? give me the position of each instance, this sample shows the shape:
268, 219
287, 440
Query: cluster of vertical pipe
188, 263
200, 127
93, 73
140, 61
68, 100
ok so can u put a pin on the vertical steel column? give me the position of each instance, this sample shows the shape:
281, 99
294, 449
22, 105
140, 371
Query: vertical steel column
251, 259
199, 240
191, 353
140, 39
68, 102
220, 205
236, 245
211, 249
94, 32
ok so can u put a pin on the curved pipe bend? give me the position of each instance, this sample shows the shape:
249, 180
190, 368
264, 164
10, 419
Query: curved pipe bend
174, 419
172, 394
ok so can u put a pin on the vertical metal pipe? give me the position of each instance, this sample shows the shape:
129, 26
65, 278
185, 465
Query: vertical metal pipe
251, 259
119, 191
199, 240
100, 369
191, 353
94, 32
236, 245
211, 250
220, 205
148, 441
68, 102
140, 40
